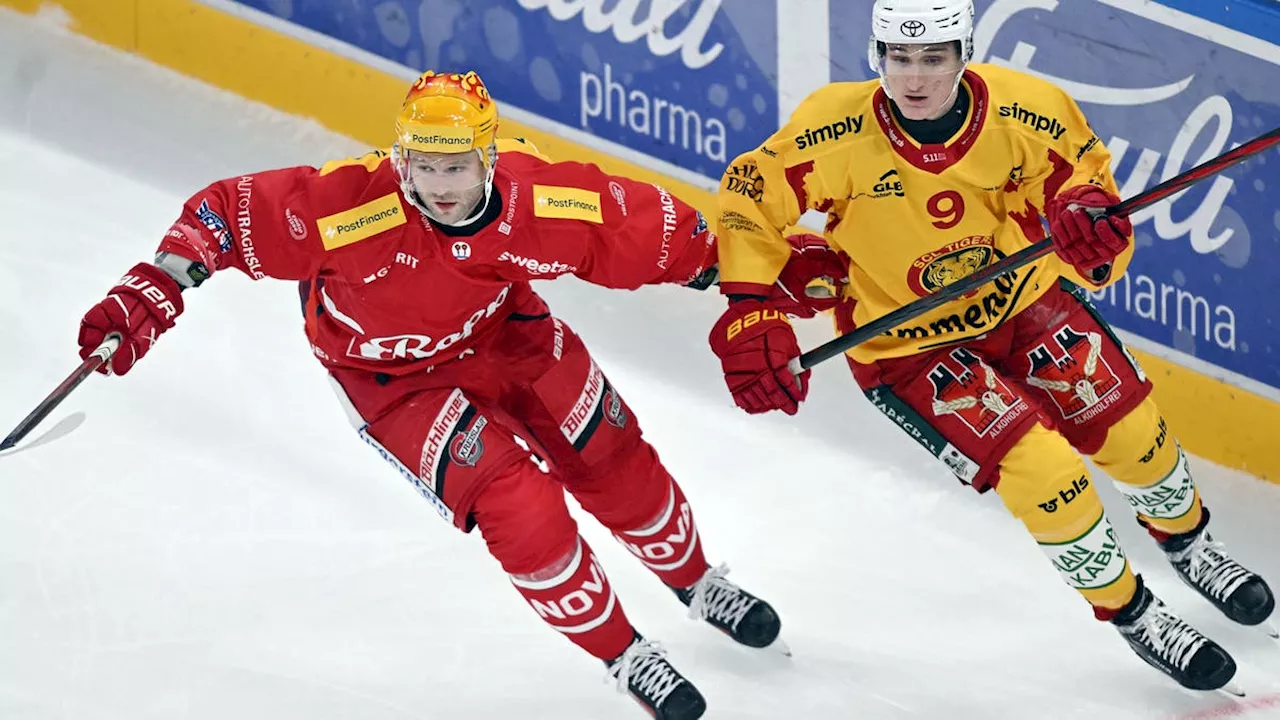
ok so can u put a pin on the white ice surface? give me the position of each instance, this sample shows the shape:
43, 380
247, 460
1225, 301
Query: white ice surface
214, 542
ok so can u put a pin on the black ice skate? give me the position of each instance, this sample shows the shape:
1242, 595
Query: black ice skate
1172, 646
642, 671
737, 613
1204, 564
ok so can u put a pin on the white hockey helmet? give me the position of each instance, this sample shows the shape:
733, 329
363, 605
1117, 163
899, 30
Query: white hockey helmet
920, 22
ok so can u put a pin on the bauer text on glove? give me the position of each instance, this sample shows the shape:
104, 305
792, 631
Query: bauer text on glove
755, 342
142, 306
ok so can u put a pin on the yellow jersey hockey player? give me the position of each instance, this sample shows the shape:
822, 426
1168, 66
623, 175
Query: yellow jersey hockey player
939, 169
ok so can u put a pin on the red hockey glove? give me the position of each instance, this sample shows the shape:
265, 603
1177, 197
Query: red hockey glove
812, 280
142, 306
1080, 239
754, 343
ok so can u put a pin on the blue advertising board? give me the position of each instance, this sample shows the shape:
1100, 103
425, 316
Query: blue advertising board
689, 82
695, 82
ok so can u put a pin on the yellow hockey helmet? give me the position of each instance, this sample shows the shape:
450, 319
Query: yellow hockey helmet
448, 113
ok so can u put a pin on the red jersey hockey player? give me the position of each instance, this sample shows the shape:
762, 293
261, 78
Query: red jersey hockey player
926, 176
414, 268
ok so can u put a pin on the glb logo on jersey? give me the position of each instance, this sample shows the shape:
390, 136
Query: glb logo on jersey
968, 388
567, 203
888, 184
948, 264
1074, 373
461, 250
362, 222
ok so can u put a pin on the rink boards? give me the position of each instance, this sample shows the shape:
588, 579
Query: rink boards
1195, 306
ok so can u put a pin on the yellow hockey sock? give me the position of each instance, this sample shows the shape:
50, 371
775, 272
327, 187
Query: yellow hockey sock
1044, 483
1151, 471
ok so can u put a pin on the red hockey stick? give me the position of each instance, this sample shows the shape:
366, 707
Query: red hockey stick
95, 360
1026, 256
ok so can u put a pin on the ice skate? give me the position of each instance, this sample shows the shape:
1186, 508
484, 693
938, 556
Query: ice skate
737, 613
1172, 646
1203, 563
642, 671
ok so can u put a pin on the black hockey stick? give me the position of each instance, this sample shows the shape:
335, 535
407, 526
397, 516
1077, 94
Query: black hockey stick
95, 360
1026, 256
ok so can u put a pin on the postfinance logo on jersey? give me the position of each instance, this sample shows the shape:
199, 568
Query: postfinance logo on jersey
567, 203
361, 222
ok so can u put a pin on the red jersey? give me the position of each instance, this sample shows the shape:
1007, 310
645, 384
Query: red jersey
387, 291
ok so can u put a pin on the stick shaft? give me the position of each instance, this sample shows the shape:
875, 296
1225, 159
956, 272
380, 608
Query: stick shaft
91, 363
1026, 256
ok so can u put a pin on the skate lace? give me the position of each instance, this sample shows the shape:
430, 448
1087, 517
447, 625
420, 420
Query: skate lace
1210, 567
1167, 634
716, 598
644, 669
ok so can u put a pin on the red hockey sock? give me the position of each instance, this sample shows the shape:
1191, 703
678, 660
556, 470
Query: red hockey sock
579, 602
669, 545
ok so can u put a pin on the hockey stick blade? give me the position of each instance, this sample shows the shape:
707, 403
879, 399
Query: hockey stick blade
60, 429
95, 360
1026, 256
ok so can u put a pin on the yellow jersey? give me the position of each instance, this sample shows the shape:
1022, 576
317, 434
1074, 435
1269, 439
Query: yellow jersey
913, 218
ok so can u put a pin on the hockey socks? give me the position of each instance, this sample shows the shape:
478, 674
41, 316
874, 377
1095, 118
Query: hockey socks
1043, 482
669, 546
578, 601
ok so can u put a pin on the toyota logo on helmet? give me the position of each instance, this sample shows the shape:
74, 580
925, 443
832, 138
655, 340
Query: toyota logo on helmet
913, 28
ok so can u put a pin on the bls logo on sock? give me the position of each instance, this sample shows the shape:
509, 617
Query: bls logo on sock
1164, 433
1066, 496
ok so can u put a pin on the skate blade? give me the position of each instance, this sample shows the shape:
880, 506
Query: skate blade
779, 646
1232, 689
